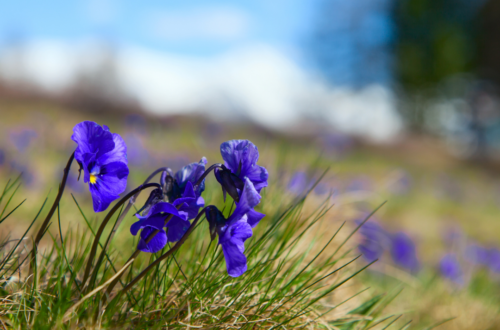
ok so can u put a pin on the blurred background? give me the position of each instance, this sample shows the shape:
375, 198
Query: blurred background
399, 98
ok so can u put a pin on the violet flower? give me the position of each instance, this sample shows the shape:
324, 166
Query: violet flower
235, 230
240, 157
103, 157
477, 254
375, 241
184, 191
22, 138
403, 252
155, 220
494, 260
451, 269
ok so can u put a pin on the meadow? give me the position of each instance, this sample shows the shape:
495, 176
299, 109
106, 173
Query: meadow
325, 256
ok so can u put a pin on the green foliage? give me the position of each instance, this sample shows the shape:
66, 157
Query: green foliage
290, 278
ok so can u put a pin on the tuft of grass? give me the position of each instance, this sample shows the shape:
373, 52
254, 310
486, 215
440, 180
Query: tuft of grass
295, 278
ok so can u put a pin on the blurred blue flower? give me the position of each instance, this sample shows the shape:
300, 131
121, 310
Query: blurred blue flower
374, 242
298, 183
21, 138
337, 144
235, 230
28, 176
136, 122
137, 154
451, 269
362, 183
103, 157
494, 260
403, 252
2, 157
402, 184
477, 254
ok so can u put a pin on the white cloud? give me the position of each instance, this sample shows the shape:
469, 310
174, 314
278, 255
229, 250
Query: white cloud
212, 24
256, 82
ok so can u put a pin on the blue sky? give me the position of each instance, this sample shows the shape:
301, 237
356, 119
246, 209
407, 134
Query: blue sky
190, 27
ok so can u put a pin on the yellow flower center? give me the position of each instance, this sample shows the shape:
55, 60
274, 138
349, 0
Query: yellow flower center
93, 178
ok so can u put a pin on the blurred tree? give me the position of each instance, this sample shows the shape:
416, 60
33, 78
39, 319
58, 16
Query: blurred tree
435, 40
487, 42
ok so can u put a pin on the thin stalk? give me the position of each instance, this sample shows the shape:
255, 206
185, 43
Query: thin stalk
160, 259
45, 223
105, 222
137, 251
132, 200
207, 172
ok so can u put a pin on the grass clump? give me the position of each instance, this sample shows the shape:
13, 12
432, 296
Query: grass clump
295, 279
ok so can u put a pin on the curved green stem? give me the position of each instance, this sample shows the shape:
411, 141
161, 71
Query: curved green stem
132, 200
99, 232
160, 259
207, 172
137, 251
45, 223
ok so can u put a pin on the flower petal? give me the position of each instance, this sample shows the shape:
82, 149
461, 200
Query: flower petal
236, 262
235, 152
191, 173
177, 227
91, 138
163, 207
248, 200
254, 217
233, 246
109, 185
258, 175
156, 244
118, 154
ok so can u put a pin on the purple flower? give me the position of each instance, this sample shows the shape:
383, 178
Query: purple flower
185, 192
155, 220
451, 269
22, 138
298, 183
240, 157
2, 157
137, 153
494, 260
403, 252
375, 241
477, 254
103, 157
234, 231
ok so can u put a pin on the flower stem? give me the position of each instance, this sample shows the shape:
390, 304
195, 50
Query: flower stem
45, 223
160, 259
132, 200
207, 172
103, 225
137, 251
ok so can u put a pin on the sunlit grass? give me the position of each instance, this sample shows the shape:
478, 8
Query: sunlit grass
294, 275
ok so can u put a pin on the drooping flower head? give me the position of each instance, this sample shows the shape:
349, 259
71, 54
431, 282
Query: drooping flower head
235, 230
404, 252
103, 157
155, 220
184, 190
240, 158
